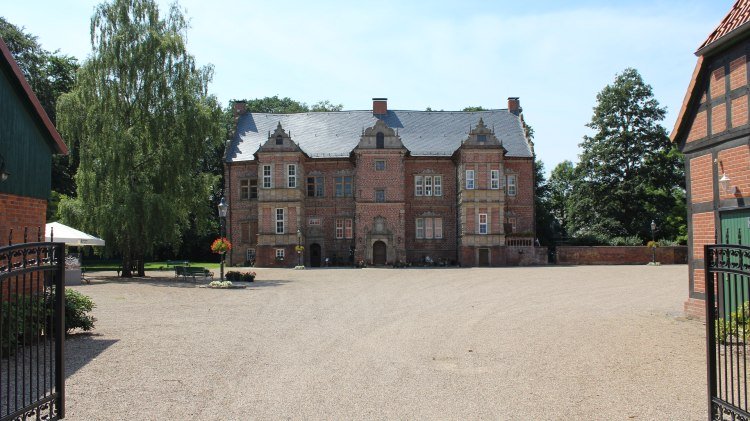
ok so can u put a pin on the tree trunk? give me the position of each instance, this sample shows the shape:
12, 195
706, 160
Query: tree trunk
126, 264
141, 265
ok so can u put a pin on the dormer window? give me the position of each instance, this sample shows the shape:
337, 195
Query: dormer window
380, 140
481, 138
279, 140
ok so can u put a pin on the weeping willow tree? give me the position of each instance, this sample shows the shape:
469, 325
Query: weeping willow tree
144, 121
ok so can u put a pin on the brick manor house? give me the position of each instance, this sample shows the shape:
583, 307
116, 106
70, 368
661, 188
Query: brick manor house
382, 187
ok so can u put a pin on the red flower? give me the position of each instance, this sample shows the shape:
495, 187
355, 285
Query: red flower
221, 245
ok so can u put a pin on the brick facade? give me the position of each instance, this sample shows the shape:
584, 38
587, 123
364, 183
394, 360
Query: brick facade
712, 130
381, 205
18, 213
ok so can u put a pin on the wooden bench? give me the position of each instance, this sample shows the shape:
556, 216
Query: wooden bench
186, 271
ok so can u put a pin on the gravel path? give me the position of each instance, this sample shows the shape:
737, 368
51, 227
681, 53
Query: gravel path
556, 343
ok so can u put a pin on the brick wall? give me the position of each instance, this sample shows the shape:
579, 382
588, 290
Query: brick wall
521, 206
701, 179
735, 162
619, 255
699, 127
19, 212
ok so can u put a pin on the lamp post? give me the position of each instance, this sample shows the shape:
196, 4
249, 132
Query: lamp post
223, 207
653, 242
299, 247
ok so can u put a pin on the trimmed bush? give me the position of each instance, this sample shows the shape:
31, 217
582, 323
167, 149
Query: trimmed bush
236, 276
77, 307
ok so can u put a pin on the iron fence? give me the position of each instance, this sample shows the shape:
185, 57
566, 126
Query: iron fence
727, 324
32, 331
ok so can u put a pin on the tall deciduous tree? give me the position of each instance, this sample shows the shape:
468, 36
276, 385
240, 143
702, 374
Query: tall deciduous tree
629, 172
560, 189
144, 120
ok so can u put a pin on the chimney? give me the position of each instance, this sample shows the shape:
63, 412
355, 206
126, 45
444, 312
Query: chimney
380, 106
514, 105
239, 108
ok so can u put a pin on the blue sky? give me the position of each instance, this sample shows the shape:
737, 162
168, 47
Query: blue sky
554, 55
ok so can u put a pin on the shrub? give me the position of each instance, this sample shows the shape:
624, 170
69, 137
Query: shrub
77, 307
220, 284
28, 318
236, 276
626, 241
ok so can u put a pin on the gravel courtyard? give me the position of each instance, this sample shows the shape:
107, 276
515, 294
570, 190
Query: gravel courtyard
556, 343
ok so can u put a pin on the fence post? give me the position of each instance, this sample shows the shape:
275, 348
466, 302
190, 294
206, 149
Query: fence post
59, 250
710, 328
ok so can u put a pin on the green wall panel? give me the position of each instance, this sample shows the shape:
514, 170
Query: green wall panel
23, 143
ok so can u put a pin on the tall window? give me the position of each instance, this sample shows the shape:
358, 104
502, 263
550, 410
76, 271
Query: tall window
495, 179
512, 188
470, 179
482, 223
267, 180
244, 189
279, 140
315, 187
280, 220
253, 188
291, 176
428, 185
429, 228
344, 228
438, 185
380, 140
344, 186
280, 254
380, 195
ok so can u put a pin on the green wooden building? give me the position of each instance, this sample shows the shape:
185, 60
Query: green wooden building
28, 139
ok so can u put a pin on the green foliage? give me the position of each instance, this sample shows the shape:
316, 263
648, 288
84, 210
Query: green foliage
49, 74
146, 124
77, 307
286, 105
26, 318
735, 326
560, 189
477, 108
629, 171
626, 241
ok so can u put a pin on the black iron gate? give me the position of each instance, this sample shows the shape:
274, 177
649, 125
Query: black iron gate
727, 324
32, 331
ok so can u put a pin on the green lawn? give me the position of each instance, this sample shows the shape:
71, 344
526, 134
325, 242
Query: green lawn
108, 265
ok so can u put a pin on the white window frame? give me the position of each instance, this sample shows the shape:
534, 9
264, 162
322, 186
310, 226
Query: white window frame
418, 185
470, 180
428, 185
438, 223
348, 228
429, 228
438, 186
495, 179
267, 173
245, 189
280, 253
291, 176
339, 229
482, 226
280, 229
512, 185
313, 221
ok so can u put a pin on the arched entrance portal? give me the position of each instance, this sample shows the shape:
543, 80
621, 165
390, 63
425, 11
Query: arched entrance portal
379, 253
315, 255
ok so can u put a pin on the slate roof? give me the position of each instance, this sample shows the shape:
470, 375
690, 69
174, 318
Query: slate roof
335, 134
737, 17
